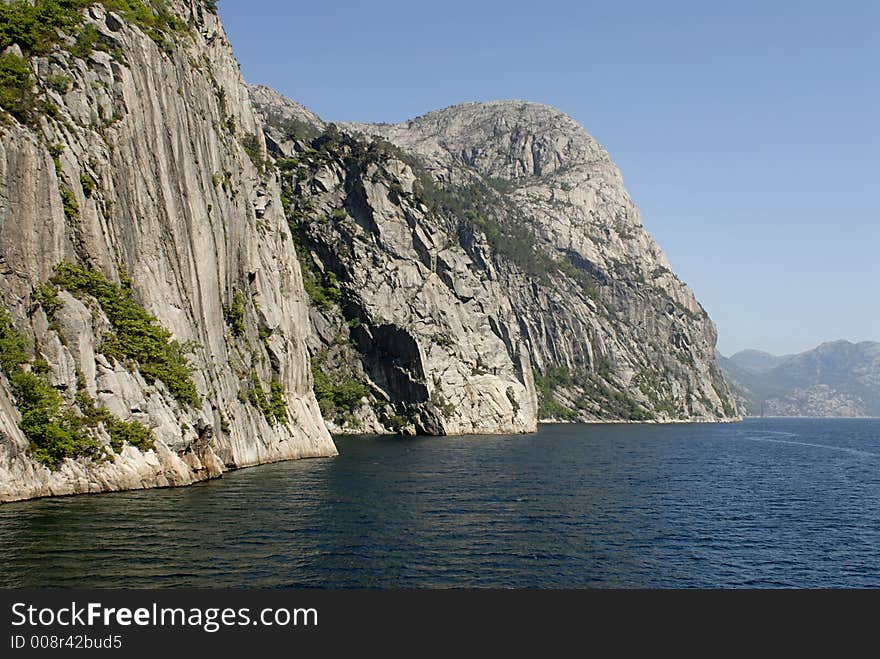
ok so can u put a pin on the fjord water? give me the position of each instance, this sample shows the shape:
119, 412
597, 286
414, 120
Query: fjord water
763, 503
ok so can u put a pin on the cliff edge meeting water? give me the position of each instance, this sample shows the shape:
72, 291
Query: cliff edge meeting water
355, 297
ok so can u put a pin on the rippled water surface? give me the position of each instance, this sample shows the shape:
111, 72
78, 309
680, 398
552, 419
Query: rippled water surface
760, 503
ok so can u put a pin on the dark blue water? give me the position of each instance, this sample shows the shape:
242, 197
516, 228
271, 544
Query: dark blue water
763, 504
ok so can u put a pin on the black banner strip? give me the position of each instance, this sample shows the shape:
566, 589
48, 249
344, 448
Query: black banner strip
135, 623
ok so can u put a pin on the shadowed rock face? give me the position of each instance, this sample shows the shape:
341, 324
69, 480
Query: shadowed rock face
500, 237
149, 151
426, 351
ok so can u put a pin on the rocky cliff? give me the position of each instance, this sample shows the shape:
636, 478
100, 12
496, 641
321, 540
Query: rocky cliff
155, 322
191, 284
835, 379
406, 336
480, 264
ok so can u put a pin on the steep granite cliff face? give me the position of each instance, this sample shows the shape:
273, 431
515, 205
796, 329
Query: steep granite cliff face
133, 155
406, 337
486, 242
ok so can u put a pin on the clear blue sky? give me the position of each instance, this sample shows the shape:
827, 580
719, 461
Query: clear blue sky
746, 132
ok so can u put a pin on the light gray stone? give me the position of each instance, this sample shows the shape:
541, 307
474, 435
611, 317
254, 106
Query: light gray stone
640, 336
177, 203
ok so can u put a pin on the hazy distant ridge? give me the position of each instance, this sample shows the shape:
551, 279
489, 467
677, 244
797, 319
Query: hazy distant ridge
836, 379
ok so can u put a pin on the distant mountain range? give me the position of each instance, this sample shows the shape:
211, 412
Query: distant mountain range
836, 379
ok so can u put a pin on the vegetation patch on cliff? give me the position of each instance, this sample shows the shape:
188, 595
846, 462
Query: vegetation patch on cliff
254, 150
590, 390
234, 314
291, 126
137, 336
39, 26
321, 287
338, 395
54, 430
548, 408
16, 94
484, 206
36, 27
273, 404
50, 423
121, 432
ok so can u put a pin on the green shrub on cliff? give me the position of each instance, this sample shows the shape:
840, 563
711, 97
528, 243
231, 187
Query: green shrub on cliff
323, 289
39, 26
53, 429
14, 346
235, 314
134, 11
337, 394
272, 405
254, 150
47, 296
88, 183
129, 432
36, 27
593, 389
50, 423
16, 95
121, 432
137, 335
548, 408
68, 202
86, 39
